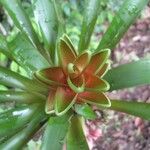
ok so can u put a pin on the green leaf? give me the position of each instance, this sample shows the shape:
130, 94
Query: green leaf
21, 138
129, 75
126, 15
21, 97
85, 110
22, 21
25, 54
46, 18
19, 17
4, 47
55, 133
92, 10
139, 109
75, 137
61, 19
12, 79
14, 120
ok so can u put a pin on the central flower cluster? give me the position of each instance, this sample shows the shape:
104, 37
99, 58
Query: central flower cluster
78, 78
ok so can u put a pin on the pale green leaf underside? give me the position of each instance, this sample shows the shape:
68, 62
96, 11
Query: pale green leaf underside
129, 75
139, 109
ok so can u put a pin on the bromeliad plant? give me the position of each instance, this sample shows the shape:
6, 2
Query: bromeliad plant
76, 80
63, 83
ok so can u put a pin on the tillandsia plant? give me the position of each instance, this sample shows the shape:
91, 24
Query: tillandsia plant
62, 81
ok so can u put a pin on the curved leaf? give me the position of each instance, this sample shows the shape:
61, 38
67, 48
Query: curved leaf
85, 110
55, 133
4, 47
75, 137
25, 54
22, 21
139, 109
21, 97
126, 15
129, 75
46, 17
95, 98
63, 101
90, 16
21, 138
14, 120
12, 79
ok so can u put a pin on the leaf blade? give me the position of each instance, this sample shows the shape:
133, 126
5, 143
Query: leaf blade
126, 15
26, 55
22, 137
17, 117
90, 17
139, 109
85, 110
75, 137
46, 18
129, 75
22, 21
21, 97
55, 132
4, 46
13, 79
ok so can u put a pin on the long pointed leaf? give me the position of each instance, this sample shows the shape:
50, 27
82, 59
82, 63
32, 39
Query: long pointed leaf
91, 13
4, 46
26, 54
14, 120
22, 137
46, 17
129, 75
12, 79
75, 138
139, 109
127, 14
55, 133
21, 97
22, 21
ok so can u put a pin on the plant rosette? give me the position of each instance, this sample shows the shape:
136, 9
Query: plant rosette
77, 80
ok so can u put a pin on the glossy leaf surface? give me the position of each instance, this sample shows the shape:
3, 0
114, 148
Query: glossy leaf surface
46, 17
85, 110
139, 109
126, 15
19, 17
75, 137
26, 55
14, 120
20, 97
91, 13
4, 46
12, 79
55, 133
129, 75
21, 138
22, 21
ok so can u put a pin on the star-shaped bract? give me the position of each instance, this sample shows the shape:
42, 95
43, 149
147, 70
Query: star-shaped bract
77, 80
